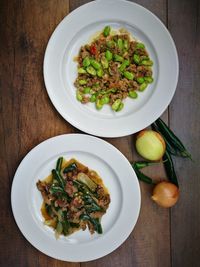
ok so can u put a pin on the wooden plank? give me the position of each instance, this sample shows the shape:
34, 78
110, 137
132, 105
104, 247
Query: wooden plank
74, 4
27, 115
184, 120
149, 243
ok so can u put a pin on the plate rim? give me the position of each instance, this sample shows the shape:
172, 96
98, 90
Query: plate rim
16, 217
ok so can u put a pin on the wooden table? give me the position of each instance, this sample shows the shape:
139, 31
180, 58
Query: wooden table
162, 237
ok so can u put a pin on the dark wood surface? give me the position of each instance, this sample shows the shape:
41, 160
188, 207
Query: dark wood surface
162, 237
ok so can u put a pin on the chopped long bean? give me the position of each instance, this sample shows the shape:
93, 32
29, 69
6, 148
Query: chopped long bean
59, 164
58, 178
70, 168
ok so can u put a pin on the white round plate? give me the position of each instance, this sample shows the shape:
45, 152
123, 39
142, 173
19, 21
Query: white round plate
60, 69
118, 177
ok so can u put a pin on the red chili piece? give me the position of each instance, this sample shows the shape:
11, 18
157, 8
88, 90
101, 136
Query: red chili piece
93, 49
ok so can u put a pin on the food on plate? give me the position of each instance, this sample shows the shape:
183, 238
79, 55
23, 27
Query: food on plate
74, 198
150, 145
111, 68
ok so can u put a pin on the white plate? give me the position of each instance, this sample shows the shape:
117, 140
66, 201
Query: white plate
60, 70
118, 177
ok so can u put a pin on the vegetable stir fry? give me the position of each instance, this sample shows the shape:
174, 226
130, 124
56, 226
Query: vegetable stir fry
74, 198
112, 68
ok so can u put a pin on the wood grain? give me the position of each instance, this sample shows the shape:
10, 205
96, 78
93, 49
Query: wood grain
184, 24
160, 238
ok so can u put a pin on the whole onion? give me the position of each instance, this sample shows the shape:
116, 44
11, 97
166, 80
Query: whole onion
150, 145
165, 194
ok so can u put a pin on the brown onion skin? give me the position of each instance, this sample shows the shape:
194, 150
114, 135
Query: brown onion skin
165, 194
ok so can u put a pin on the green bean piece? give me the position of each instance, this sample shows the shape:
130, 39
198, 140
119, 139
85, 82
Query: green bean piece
55, 189
95, 64
143, 86
140, 46
124, 64
104, 62
95, 85
66, 226
99, 105
147, 62
93, 98
120, 44
82, 82
136, 58
100, 73
105, 100
132, 94
144, 58
148, 79
91, 204
106, 31
59, 164
128, 75
110, 71
93, 221
112, 90
58, 191
81, 70
116, 104
108, 55
56, 175
111, 44
118, 58
60, 215
70, 168
92, 91
91, 71
86, 90
84, 188
86, 62
121, 106
93, 208
101, 92
140, 80
126, 44
79, 96
49, 209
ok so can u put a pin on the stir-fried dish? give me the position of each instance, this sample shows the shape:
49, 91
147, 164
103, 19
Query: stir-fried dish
74, 198
111, 68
